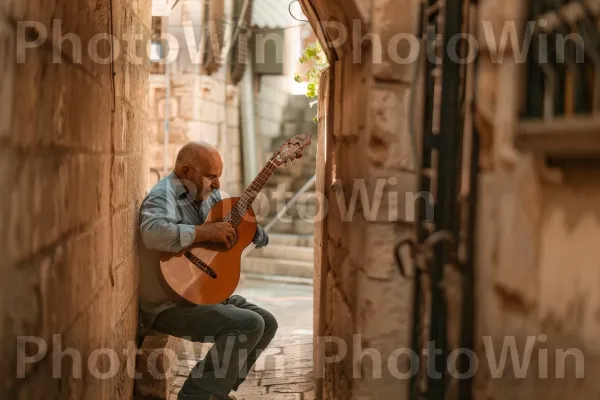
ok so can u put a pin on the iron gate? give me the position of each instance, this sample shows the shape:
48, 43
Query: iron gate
449, 152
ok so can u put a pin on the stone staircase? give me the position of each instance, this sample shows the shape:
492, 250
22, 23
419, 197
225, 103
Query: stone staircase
290, 251
287, 254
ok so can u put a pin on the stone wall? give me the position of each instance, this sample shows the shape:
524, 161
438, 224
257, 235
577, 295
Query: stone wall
201, 106
196, 112
73, 177
361, 299
538, 275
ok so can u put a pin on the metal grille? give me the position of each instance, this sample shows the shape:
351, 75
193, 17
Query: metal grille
448, 172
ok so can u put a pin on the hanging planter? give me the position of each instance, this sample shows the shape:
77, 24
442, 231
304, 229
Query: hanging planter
214, 22
239, 54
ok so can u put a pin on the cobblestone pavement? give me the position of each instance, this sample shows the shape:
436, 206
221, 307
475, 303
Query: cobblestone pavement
285, 369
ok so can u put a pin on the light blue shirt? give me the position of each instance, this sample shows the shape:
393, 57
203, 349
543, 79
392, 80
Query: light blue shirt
168, 216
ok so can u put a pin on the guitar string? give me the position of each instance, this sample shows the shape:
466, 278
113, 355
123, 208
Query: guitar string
250, 194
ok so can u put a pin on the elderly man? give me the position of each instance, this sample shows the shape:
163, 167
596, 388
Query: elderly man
172, 218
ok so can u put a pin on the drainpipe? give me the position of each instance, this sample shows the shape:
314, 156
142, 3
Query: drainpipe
249, 150
167, 100
248, 135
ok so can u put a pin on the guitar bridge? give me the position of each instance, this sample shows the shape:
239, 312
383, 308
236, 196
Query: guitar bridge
204, 267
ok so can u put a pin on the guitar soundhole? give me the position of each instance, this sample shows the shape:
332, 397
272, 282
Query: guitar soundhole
204, 267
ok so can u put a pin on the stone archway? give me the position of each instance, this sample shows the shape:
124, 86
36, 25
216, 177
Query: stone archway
362, 305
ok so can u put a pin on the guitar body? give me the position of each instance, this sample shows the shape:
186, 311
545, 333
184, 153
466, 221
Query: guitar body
207, 273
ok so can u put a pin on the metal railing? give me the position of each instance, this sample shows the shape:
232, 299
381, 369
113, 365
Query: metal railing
308, 185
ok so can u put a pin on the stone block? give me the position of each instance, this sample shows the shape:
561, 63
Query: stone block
386, 196
279, 267
376, 302
292, 387
347, 281
293, 114
269, 128
157, 362
124, 232
232, 95
23, 317
121, 287
144, 13
89, 114
390, 298
203, 131
58, 193
290, 129
340, 322
380, 239
396, 59
233, 117
45, 382
77, 272
24, 236
119, 181
309, 396
28, 80
264, 107
140, 83
390, 144
7, 71
127, 124
211, 89
281, 396
70, 109
302, 227
210, 112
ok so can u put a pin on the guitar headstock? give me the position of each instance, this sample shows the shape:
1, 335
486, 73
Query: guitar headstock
291, 149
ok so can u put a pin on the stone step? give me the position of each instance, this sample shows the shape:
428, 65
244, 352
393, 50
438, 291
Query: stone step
285, 226
299, 253
288, 184
294, 225
277, 179
306, 206
272, 266
294, 280
303, 227
287, 239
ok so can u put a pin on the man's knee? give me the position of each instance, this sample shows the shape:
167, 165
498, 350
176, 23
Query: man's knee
253, 323
271, 324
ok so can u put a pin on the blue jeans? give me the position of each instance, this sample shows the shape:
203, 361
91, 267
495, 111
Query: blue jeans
240, 332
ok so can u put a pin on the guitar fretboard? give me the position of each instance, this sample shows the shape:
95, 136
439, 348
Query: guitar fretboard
237, 213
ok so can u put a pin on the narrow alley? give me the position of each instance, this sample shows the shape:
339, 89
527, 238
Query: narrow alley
408, 189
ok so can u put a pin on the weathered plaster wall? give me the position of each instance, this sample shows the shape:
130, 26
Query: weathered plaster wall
538, 267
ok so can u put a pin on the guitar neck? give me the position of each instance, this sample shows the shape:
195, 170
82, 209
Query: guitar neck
249, 195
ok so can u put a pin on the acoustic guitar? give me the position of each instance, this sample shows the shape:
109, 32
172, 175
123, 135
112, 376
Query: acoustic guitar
209, 273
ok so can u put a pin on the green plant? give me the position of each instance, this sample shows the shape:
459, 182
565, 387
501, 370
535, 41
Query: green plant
315, 57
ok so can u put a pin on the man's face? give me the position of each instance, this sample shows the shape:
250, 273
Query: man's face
204, 175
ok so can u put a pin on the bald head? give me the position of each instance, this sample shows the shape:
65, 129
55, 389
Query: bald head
195, 153
199, 163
